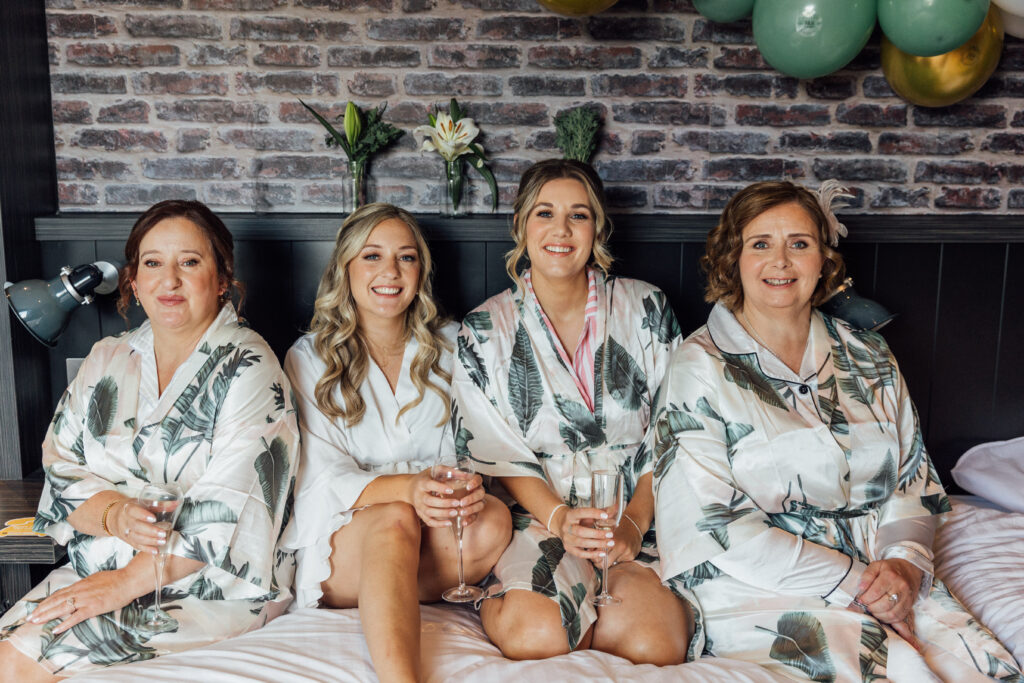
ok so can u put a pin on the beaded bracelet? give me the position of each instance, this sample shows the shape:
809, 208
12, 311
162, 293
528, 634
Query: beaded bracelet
103, 518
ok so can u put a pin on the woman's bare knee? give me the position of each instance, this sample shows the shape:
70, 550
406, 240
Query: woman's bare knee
654, 628
525, 625
488, 536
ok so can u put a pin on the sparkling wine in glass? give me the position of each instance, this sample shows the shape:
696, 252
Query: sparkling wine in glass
606, 495
455, 473
163, 501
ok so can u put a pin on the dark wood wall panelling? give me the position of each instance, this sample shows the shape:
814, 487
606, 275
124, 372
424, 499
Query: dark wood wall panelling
957, 285
28, 188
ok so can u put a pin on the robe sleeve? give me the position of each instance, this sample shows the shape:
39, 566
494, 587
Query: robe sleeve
706, 522
665, 337
234, 512
906, 524
330, 479
69, 479
481, 431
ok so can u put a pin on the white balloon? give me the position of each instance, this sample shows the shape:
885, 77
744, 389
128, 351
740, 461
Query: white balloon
1013, 23
1010, 6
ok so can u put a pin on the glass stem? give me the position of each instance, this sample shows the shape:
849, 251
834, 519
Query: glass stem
458, 541
158, 565
604, 575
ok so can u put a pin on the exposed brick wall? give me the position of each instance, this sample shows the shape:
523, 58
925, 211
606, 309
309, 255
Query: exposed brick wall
198, 98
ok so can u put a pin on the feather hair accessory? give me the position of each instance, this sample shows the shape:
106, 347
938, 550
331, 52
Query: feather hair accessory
829, 191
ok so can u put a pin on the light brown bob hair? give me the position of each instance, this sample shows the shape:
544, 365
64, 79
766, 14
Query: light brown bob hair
222, 244
725, 241
534, 178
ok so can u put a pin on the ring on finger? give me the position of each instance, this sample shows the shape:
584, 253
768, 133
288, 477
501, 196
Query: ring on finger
894, 598
70, 602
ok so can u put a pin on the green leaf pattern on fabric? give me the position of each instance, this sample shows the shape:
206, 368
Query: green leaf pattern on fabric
626, 381
102, 408
660, 319
273, 466
743, 370
525, 388
800, 642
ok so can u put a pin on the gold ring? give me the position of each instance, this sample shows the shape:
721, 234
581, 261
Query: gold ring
71, 603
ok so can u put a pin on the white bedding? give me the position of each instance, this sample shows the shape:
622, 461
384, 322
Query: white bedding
979, 551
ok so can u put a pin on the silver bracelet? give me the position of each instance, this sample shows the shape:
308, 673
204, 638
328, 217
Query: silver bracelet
552, 515
636, 525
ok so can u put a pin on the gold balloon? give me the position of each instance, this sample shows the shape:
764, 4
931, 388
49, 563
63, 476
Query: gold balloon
947, 78
577, 8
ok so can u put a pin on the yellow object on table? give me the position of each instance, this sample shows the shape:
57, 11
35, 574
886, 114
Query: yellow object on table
19, 526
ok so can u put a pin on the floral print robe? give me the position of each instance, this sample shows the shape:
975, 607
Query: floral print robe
776, 489
225, 429
518, 412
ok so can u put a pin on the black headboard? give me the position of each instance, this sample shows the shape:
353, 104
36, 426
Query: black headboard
957, 284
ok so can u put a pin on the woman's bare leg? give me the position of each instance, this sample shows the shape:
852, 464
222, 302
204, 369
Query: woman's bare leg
16, 666
527, 625
374, 561
650, 626
483, 542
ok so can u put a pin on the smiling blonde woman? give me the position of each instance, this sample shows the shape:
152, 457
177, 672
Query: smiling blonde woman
372, 382
556, 380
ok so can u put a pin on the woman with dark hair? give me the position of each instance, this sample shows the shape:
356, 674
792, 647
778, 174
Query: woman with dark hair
556, 381
794, 493
371, 528
194, 397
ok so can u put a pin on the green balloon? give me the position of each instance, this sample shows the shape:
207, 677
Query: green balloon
812, 38
926, 28
724, 11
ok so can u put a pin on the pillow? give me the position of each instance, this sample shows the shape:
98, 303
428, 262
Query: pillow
994, 471
979, 553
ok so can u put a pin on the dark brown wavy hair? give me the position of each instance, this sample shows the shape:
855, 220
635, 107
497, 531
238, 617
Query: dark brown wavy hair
725, 241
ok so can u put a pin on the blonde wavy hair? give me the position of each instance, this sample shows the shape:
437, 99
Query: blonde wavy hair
530, 185
338, 339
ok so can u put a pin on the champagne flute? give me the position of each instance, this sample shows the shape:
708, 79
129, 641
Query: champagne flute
606, 495
163, 501
456, 472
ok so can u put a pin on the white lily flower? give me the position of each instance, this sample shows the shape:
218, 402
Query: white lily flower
448, 138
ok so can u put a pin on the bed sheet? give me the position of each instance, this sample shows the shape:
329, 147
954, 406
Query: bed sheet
979, 552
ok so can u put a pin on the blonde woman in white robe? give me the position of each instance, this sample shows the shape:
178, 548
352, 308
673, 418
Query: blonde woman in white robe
795, 496
191, 396
372, 381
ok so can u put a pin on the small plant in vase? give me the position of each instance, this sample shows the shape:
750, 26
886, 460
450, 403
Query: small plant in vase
365, 134
451, 135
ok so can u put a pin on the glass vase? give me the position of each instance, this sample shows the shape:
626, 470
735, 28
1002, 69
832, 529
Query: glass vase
454, 175
354, 193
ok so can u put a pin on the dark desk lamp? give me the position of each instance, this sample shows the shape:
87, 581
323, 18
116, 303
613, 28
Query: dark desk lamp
44, 307
862, 314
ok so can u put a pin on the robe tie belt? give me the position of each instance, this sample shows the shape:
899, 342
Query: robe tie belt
804, 510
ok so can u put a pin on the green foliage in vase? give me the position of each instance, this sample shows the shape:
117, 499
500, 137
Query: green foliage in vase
576, 133
365, 133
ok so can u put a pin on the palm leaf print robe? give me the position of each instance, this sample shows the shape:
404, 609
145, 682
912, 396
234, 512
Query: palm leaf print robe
225, 429
518, 412
776, 489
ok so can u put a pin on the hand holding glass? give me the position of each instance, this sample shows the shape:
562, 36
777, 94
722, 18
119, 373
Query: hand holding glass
456, 472
163, 501
606, 495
